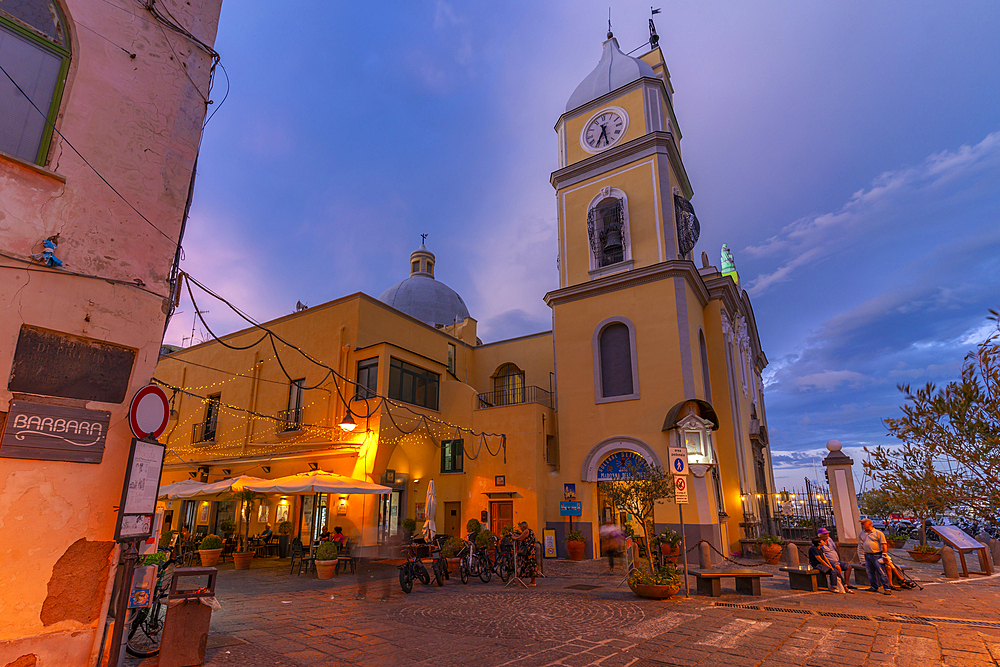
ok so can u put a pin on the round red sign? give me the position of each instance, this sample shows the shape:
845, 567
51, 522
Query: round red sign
148, 412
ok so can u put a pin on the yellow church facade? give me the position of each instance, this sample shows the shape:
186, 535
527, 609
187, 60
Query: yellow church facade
647, 350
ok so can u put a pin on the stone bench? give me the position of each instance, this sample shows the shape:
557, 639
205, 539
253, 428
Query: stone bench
861, 574
803, 578
747, 581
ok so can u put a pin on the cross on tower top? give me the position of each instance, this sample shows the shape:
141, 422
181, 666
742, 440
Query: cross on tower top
423, 238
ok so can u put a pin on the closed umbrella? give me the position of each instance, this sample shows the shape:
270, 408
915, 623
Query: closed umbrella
316, 481
430, 529
171, 491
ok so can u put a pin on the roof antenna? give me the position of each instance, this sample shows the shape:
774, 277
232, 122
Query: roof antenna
654, 39
610, 34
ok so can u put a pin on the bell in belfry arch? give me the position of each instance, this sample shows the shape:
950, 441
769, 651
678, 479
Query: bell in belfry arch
613, 241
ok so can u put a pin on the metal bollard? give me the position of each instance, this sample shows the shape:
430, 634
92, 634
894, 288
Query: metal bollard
792, 555
704, 556
948, 560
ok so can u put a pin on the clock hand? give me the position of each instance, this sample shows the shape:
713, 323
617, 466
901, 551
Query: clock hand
604, 133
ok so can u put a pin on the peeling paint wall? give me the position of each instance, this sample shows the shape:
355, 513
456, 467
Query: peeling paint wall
138, 121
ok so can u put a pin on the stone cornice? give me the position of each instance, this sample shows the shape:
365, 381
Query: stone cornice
663, 271
644, 146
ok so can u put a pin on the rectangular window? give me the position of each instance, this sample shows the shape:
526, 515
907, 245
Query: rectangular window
291, 419
205, 431
452, 452
412, 384
367, 386
551, 450
451, 358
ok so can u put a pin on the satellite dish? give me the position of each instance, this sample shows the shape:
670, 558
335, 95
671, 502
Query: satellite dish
299, 307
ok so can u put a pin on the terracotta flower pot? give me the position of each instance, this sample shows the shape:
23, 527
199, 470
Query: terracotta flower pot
209, 557
653, 591
324, 568
923, 557
771, 553
671, 553
575, 549
898, 544
242, 560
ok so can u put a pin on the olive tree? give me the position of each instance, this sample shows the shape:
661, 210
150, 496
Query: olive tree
646, 485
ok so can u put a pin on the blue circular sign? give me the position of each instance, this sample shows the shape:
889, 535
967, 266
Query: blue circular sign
679, 465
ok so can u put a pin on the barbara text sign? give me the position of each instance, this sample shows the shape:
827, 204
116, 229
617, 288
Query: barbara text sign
54, 433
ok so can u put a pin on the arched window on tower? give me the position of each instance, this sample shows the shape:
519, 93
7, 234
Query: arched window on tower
615, 361
705, 378
606, 228
35, 54
508, 385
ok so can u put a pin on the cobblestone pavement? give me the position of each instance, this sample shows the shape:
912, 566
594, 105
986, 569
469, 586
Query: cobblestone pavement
578, 617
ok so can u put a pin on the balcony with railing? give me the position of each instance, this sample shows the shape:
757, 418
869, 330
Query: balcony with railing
203, 432
288, 421
515, 396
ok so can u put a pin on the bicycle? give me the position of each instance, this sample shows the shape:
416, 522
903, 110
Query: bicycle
414, 568
504, 562
145, 626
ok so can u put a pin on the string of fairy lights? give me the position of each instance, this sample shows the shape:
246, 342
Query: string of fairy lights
409, 425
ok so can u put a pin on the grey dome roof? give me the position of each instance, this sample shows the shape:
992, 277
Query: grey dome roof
613, 71
423, 297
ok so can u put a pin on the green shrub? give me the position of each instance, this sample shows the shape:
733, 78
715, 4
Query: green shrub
506, 530
159, 558
767, 538
484, 539
285, 528
897, 537
166, 537
228, 526
574, 536
211, 542
473, 526
409, 525
665, 575
327, 551
926, 549
669, 537
451, 547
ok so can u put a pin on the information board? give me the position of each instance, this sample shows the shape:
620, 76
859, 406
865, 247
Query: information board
142, 484
570, 508
678, 460
549, 538
957, 538
680, 490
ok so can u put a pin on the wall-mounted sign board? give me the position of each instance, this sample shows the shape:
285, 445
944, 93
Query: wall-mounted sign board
570, 508
54, 433
50, 363
142, 484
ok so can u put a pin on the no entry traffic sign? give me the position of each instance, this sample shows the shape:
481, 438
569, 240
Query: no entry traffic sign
148, 412
680, 490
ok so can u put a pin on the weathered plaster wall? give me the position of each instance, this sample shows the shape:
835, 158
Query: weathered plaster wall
138, 121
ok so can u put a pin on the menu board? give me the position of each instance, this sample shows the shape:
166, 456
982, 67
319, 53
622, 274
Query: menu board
142, 484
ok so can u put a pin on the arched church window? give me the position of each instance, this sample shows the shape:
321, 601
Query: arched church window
705, 378
508, 385
34, 57
616, 361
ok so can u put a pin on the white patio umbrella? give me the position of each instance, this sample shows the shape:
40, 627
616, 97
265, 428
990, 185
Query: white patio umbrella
220, 487
316, 481
430, 529
171, 491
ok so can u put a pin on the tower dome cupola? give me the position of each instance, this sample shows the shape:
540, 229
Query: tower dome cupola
613, 71
423, 297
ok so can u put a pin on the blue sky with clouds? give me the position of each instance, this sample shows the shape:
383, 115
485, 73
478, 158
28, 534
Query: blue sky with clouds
848, 153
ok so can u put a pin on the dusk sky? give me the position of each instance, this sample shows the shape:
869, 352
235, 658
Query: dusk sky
848, 153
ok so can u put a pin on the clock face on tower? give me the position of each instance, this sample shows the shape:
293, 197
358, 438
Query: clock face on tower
604, 129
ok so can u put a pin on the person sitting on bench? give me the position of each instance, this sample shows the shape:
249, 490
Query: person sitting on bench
818, 561
830, 551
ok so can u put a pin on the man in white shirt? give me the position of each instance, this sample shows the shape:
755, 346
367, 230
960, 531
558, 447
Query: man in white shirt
872, 546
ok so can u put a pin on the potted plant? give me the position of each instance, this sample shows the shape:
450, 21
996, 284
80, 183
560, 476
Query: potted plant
409, 527
897, 540
210, 549
925, 554
484, 540
657, 584
575, 544
670, 544
243, 557
326, 560
166, 537
284, 534
227, 526
450, 549
472, 526
770, 547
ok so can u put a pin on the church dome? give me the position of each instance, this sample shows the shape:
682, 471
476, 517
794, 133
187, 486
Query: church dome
614, 71
423, 297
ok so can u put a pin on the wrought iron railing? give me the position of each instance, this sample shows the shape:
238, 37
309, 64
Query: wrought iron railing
289, 420
203, 432
515, 396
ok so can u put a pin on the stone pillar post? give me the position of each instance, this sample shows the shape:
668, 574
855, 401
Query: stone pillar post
844, 498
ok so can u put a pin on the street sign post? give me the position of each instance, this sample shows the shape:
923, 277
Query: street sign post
681, 498
678, 460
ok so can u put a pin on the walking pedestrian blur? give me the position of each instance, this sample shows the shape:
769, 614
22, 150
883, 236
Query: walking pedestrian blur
872, 547
611, 538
